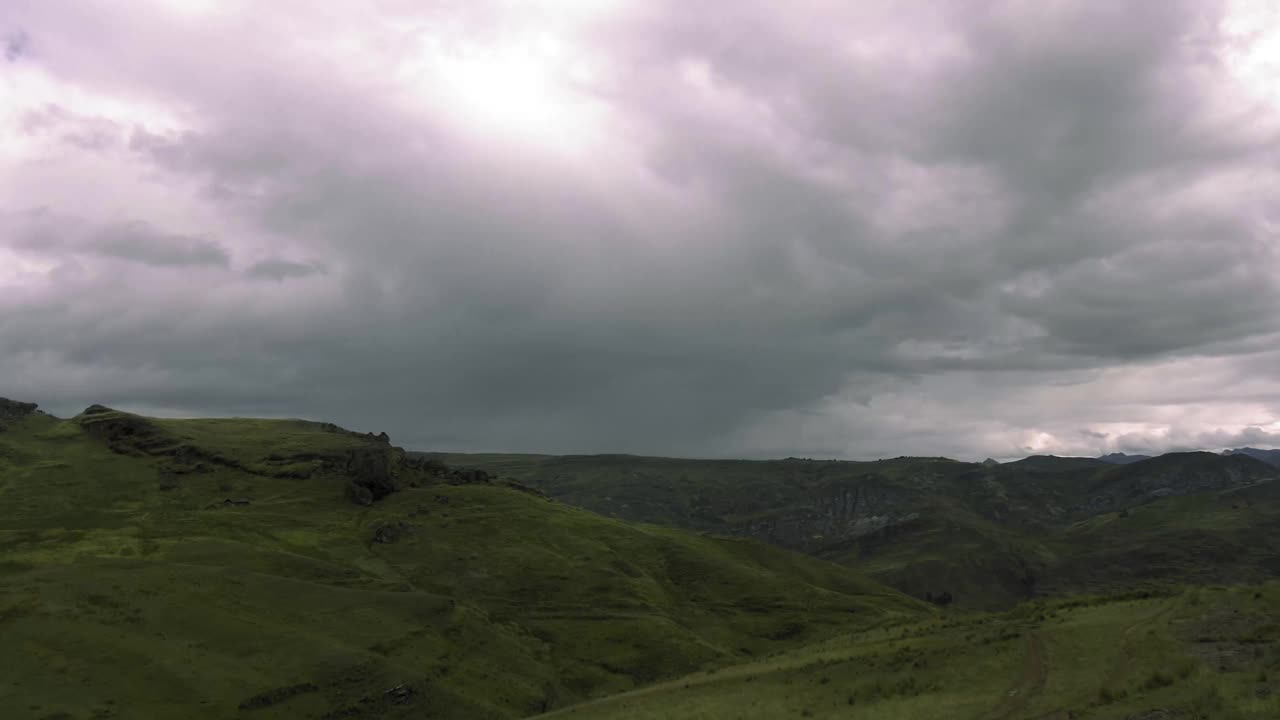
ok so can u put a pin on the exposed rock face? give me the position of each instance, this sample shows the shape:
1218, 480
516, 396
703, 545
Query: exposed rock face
129, 434
840, 515
359, 494
381, 469
451, 475
372, 470
856, 508
12, 411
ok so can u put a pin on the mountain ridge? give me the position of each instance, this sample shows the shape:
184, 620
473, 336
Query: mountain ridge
1011, 521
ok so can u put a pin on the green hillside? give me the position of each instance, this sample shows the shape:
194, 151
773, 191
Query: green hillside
245, 568
988, 536
1206, 653
283, 569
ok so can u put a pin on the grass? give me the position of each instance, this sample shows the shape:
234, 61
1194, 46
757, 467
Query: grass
990, 537
128, 589
1107, 658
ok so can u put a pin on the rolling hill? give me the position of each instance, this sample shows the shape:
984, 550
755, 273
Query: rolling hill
283, 568
987, 536
1208, 654
248, 568
1271, 457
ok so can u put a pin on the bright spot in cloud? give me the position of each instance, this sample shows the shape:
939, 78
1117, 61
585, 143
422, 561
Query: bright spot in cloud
194, 7
19, 270
29, 91
530, 79
1252, 29
521, 91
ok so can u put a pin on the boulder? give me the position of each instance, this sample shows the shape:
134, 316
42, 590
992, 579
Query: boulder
390, 532
359, 494
371, 469
399, 694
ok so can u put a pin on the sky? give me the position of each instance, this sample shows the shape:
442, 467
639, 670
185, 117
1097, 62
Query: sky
718, 229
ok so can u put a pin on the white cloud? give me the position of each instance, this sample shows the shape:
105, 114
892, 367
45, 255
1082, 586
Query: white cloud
832, 229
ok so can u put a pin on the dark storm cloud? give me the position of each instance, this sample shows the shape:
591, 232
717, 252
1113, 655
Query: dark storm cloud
139, 242
863, 230
46, 233
15, 45
279, 269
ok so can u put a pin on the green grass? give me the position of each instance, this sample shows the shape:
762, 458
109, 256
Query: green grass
1106, 658
988, 536
127, 589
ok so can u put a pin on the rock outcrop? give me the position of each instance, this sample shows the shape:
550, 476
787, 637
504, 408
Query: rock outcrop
11, 411
372, 474
388, 533
129, 434
839, 515
372, 467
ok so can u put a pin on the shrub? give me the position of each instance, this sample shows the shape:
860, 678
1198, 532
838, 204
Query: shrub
1106, 695
1157, 679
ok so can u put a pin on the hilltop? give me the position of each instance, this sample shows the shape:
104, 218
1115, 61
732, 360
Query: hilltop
284, 568
1271, 457
1119, 458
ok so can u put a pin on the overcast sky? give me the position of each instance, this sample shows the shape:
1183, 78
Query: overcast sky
738, 228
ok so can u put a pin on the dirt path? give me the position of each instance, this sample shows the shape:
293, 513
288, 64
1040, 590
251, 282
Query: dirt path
1165, 609
1120, 667
1036, 670
1035, 673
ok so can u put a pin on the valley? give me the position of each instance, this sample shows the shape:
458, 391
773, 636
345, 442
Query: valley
987, 536
247, 568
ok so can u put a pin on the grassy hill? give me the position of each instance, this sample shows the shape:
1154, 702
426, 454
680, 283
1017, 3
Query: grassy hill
243, 568
988, 536
284, 568
1204, 653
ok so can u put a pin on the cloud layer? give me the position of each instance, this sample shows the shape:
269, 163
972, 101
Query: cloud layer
773, 229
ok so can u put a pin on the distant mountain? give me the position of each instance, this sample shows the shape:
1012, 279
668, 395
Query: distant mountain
989, 535
1118, 458
1054, 463
1271, 457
